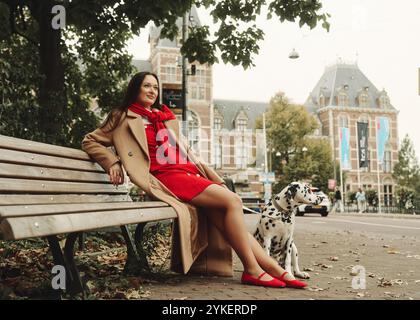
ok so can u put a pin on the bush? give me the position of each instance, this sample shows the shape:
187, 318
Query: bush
351, 197
372, 197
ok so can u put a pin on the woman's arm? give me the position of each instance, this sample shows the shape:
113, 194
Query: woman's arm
95, 145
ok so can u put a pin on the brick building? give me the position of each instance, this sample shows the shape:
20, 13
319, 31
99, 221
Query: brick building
342, 97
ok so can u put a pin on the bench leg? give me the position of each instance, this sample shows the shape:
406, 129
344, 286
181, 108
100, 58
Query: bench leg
138, 238
73, 282
136, 257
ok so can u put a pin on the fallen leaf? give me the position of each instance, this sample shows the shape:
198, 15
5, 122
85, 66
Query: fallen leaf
181, 298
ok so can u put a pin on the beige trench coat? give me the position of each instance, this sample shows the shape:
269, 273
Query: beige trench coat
197, 246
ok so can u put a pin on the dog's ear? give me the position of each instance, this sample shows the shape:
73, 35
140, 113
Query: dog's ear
291, 192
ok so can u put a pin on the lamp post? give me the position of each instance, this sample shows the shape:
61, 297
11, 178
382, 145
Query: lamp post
184, 73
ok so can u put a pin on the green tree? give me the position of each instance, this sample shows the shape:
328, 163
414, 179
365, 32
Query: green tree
301, 157
94, 40
407, 171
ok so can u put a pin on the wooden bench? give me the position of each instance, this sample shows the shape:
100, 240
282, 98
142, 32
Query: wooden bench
48, 190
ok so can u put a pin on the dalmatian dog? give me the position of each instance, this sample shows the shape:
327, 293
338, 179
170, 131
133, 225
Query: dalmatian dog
275, 228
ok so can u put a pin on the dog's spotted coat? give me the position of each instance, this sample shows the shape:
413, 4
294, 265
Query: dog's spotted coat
275, 228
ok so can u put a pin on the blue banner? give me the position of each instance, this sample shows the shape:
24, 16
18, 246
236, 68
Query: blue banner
345, 149
382, 136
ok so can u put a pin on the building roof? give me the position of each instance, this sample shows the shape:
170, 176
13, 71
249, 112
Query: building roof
231, 108
155, 31
142, 65
338, 76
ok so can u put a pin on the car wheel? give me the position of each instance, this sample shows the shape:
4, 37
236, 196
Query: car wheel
324, 214
299, 213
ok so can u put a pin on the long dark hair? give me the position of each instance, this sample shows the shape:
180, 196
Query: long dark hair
130, 97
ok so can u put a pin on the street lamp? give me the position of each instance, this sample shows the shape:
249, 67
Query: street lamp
294, 54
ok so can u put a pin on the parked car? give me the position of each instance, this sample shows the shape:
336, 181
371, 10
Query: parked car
323, 208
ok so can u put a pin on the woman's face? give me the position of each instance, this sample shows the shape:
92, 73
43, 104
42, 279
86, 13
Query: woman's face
149, 91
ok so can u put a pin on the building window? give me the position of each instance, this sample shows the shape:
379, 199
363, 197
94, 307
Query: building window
201, 93
193, 92
384, 101
387, 161
217, 125
241, 153
217, 151
200, 77
388, 194
343, 99
241, 124
169, 74
343, 122
193, 132
364, 100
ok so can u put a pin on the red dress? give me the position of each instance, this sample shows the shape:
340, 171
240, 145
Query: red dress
178, 174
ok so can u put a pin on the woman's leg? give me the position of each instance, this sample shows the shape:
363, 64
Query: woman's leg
218, 197
266, 262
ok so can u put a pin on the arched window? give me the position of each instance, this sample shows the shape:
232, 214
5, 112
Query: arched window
384, 100
241, 124
343, 99
387, 164
364, 98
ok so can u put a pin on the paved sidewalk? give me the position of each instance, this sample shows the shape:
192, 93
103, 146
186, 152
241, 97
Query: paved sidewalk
391, 266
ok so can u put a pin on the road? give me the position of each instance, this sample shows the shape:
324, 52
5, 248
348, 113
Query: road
387, 227
385, 252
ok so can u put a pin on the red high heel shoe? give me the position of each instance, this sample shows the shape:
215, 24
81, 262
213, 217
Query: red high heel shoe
292, 283
249, 279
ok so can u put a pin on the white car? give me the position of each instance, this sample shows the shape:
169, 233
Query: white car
323, 208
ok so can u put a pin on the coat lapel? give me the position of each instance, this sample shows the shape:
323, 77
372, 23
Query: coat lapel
136, 124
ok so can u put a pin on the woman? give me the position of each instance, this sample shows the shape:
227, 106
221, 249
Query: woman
169, 172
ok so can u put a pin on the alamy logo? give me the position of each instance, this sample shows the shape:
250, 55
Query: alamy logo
59, 20
359, 280
59, 280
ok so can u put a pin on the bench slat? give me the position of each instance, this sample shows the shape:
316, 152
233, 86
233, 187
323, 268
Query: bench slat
42, 148
28, 172
50, 209
10, 199
46, 186
27, 227
27, 158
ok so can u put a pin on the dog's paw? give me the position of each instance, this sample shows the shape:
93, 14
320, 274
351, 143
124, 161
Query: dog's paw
302, 275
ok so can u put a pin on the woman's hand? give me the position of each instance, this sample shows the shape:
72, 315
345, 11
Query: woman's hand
116, 175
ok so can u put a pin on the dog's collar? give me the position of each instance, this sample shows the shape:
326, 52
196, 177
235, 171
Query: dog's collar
276, 205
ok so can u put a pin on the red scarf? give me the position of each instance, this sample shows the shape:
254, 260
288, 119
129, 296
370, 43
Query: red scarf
155, 117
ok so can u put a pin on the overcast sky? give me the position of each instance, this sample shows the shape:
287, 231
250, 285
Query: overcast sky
381, 35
